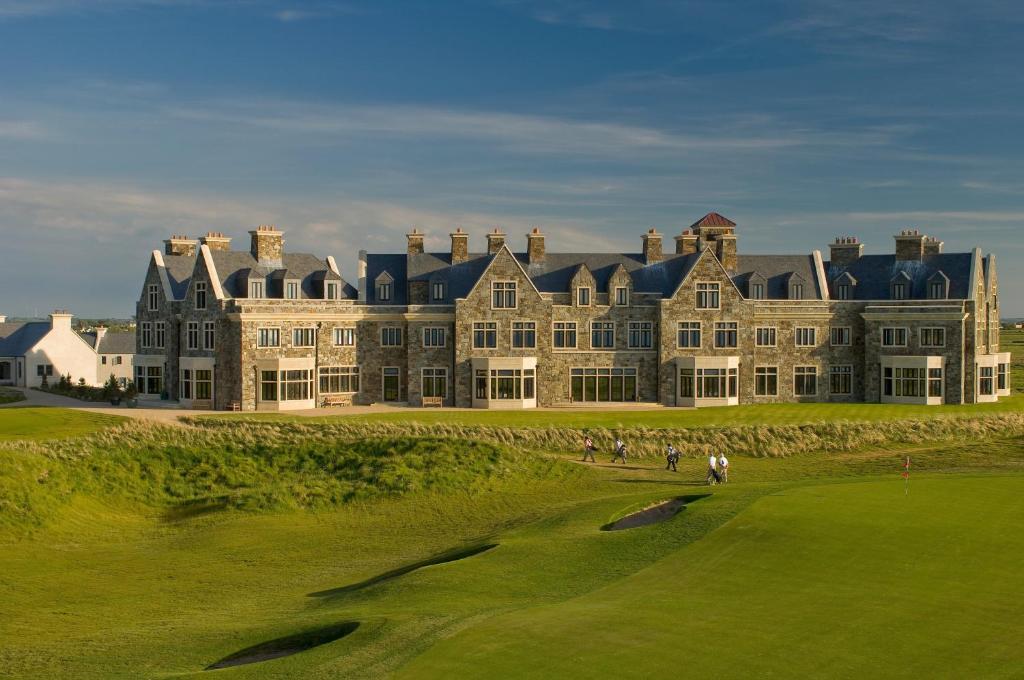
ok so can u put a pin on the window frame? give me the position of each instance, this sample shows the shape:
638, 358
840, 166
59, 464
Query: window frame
199, 295
699, 330
438, 373
487, 329
385, 290
431, 333
146, 334
765, 372
923, 330
500, 292
708, 290
624, 301
343, 333
803, 331
832, 336
580, 290
602, 332
773, 333
845, 372
257, 290
264, 331
436, 286
729, 329
303, 329
192, 335
391, 332
906, 336
565, 330
209, 336
805, 371
292, 290
527, 329
638, 328
153, 297
344, 374
159, 334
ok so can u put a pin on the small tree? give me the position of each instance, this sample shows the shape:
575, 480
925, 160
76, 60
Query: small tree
44, 383
63, 384
111, 389
131, 391
81, 389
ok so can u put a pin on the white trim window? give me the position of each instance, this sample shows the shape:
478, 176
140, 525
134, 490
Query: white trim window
268, 337
688, 335
384, 291
485, 334
621, 296
583, 296
726, 334
435, 336
200, 297
986, 381
331, 291
146, 333
895, 336
602, 335
640, 335
796, 291
304, 337
766, 381
563, 335
153, 297
844, 291
503, 295
708, 295
159, 334
840, 336
256, 290
524, 334
806, 336
344, 337
937, 290
840, 380
287, 385
437, 291
936, 381
805, 381
435, 382
757, 291
209, 335
602, 384
291, 290
910, 381
339, 379
933, 337
391, 336
765, 336
192, 335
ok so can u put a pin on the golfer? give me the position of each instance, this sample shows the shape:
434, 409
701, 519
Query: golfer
588, 449
712, 476
672, 457
723, 468
620, 451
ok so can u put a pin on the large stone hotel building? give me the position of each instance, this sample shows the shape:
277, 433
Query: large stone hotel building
702, 325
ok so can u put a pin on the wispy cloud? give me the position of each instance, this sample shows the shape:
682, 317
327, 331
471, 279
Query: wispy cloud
22, 129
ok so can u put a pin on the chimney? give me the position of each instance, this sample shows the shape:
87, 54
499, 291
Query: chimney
933, 246
652, 246
100, 332
414, 242
535, 246
495, 240
3, 318
686, 243
267, 245
910, 245
844, 251
725, 249
60, 319
179, 244
460, 246
215, 240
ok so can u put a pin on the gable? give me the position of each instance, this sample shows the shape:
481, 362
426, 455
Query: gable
504, 267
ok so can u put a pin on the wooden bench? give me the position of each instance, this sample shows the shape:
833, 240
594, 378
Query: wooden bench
202, 404
433, 401
337, 400
233, 406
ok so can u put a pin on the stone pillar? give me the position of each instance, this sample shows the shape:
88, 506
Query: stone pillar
845, 250
535, 246
495, 240
652, 246
725, 249
460, 246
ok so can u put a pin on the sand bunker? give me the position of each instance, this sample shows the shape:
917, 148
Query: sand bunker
660, 512
286, 646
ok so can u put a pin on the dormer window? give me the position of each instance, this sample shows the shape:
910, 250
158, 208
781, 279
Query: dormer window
844, 286
384, 292
796, 291
622, 296
437, 291
583, 296
938, 286
843, 292
201, 295
899, 288
256, 289
331, 291
291, 290
757, 291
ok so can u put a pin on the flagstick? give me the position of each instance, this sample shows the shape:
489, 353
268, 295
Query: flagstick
906, 477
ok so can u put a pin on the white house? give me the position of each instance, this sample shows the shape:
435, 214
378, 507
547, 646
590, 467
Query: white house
115, 355
34, 349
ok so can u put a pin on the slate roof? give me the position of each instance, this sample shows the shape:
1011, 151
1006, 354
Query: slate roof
179, 273
875, 272
776, 269
113, 342
236, 268
16, 339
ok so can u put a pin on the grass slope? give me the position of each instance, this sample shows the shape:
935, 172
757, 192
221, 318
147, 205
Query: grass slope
52, 423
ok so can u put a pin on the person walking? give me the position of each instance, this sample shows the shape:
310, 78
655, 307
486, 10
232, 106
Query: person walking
588, 449
620, 451
672, 457
712, 476
723, 469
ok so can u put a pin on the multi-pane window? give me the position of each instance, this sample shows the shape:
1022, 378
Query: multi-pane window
1002, 376
602, 384
437, 290
160, 334
844, 291
904, 382
985, 381
641, 335
899, 291
295, 385
935, 382
268, 385
564, 334
796, 291
524, 334
757, 291
805, 381
937, 290
839, 336
146, 331
509, 383
503, 294
384, 292
765, 336
345, 337
726, 333
622, 296
435, 382
709, 383
806, 336
840, 379
200, 295
434, 336
209, 335
688, 334
192, 335
291, 290
707, 296
485, 334
583, 296
256, 289
202, 388
303, 337
339, 379
766, 381
153, 297
391, 336
149, 379
44, 369
602, 334
933, 337
894, 337
268, 337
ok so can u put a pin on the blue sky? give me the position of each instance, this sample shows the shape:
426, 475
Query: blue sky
348, 123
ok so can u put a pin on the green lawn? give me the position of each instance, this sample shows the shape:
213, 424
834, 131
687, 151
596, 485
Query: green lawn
52, 423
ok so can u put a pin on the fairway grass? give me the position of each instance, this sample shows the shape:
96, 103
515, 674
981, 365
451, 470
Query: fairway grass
52, 423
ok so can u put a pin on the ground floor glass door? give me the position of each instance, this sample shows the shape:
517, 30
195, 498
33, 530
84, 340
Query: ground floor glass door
392, 386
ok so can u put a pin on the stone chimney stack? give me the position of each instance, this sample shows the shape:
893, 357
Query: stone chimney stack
725, 249
910, 245
845, 250
652, 246
460, 245
267, 245
215, 240
933, 246
179, 244
686, 243
60, 319
414, 242
535, 251
495, 240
